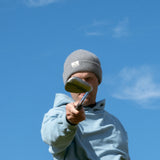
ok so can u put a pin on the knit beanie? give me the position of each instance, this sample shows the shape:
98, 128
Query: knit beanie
82, 61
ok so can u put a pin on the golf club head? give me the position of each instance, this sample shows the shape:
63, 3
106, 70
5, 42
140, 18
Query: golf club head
77, 85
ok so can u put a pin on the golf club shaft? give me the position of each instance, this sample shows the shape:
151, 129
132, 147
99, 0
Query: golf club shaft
80, 104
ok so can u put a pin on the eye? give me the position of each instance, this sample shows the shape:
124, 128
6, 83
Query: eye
88, 79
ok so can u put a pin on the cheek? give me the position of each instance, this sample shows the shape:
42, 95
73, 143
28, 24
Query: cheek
95, 85
94, 91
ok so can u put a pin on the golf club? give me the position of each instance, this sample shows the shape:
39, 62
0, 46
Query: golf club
77, 85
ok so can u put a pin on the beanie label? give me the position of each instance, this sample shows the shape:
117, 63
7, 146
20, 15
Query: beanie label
75, 64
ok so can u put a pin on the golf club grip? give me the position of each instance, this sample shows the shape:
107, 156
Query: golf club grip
79, 106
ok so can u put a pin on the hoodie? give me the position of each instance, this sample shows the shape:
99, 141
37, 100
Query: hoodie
100, 136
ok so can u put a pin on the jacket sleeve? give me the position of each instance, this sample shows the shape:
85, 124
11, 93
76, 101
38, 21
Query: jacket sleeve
56, 131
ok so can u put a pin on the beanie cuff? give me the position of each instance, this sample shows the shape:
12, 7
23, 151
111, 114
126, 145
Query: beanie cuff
83, 66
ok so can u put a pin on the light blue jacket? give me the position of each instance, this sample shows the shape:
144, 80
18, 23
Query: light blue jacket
99, 137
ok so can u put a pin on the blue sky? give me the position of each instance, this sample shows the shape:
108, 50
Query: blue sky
35, 38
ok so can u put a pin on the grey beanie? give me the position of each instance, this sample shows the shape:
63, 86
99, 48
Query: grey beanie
82, 61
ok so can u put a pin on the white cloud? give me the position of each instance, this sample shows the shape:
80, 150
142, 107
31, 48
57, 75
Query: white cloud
121, 30
96, 28
139, 85
106, 28
39, 3
94, 33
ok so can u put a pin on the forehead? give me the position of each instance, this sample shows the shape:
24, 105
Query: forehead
83, 74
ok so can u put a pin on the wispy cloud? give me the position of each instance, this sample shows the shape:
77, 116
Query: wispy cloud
96, 28
139, 85
94, 33
122, 29
107, 28
39, 3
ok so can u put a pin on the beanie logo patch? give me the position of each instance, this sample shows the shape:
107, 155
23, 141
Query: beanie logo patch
75, 64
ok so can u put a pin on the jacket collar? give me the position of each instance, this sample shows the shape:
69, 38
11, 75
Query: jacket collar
98, 106
62, 99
